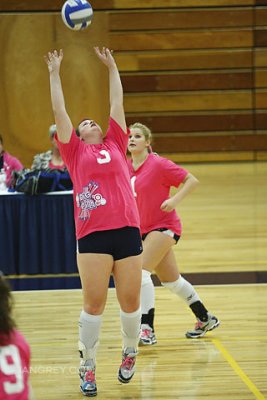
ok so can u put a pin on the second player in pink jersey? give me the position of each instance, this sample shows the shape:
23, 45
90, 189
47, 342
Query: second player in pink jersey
106, 219
152, 178
14, 352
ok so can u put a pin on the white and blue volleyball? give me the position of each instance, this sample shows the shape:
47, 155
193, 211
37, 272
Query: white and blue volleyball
77, 14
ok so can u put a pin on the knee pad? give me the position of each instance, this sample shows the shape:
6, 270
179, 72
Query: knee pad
182, 288
175, 286
146, 277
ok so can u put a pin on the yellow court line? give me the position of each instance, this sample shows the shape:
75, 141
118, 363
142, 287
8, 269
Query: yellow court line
238, 370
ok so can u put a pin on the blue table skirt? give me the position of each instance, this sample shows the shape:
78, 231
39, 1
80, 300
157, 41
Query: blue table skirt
37, 234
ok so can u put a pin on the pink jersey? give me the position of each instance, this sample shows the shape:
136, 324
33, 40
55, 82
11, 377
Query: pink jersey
103, 197
11, 164
151, 185
14, 367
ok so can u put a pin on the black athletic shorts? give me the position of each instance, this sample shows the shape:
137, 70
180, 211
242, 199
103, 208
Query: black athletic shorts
119, 243
166, 231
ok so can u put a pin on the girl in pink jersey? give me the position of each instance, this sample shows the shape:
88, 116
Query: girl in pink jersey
8, 163
106, 220
152, 177
14, 352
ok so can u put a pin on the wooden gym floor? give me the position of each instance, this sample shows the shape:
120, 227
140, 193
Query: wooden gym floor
228, 363
224, 241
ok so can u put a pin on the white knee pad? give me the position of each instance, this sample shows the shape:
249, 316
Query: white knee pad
147, 292
146, 277
183, 289
175, 286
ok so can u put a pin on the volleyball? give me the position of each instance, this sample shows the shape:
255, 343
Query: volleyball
77, 14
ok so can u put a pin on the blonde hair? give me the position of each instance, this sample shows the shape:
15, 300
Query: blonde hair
145, 131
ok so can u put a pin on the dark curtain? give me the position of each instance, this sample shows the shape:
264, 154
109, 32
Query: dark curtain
37, 234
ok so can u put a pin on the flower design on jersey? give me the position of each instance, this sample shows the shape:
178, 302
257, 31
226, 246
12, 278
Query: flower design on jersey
88, 200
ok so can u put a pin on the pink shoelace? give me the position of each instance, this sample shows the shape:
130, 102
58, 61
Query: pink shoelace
128, 362
90, 376
199, 324
145, 332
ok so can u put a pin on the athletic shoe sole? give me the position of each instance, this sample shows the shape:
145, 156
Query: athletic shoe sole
88, 394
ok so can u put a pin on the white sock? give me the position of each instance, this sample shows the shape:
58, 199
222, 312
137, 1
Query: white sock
130, 328
183, 289
89, 331
147, 292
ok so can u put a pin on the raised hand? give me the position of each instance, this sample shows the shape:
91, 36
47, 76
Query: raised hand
53, 60
105, 55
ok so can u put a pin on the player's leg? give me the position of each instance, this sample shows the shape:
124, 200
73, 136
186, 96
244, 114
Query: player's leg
167, 271
155, 245
94, 270
127, 277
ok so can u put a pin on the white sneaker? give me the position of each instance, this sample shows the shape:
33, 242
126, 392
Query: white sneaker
201, 328
87, 378
127, 367
147, 337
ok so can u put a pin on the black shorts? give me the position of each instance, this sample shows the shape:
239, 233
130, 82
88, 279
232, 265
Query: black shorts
166, 231
119, 243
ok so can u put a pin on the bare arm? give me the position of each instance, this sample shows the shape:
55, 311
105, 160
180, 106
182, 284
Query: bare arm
115, 87
189, 184
62, 119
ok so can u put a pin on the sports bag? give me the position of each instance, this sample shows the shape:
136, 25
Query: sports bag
38, 181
